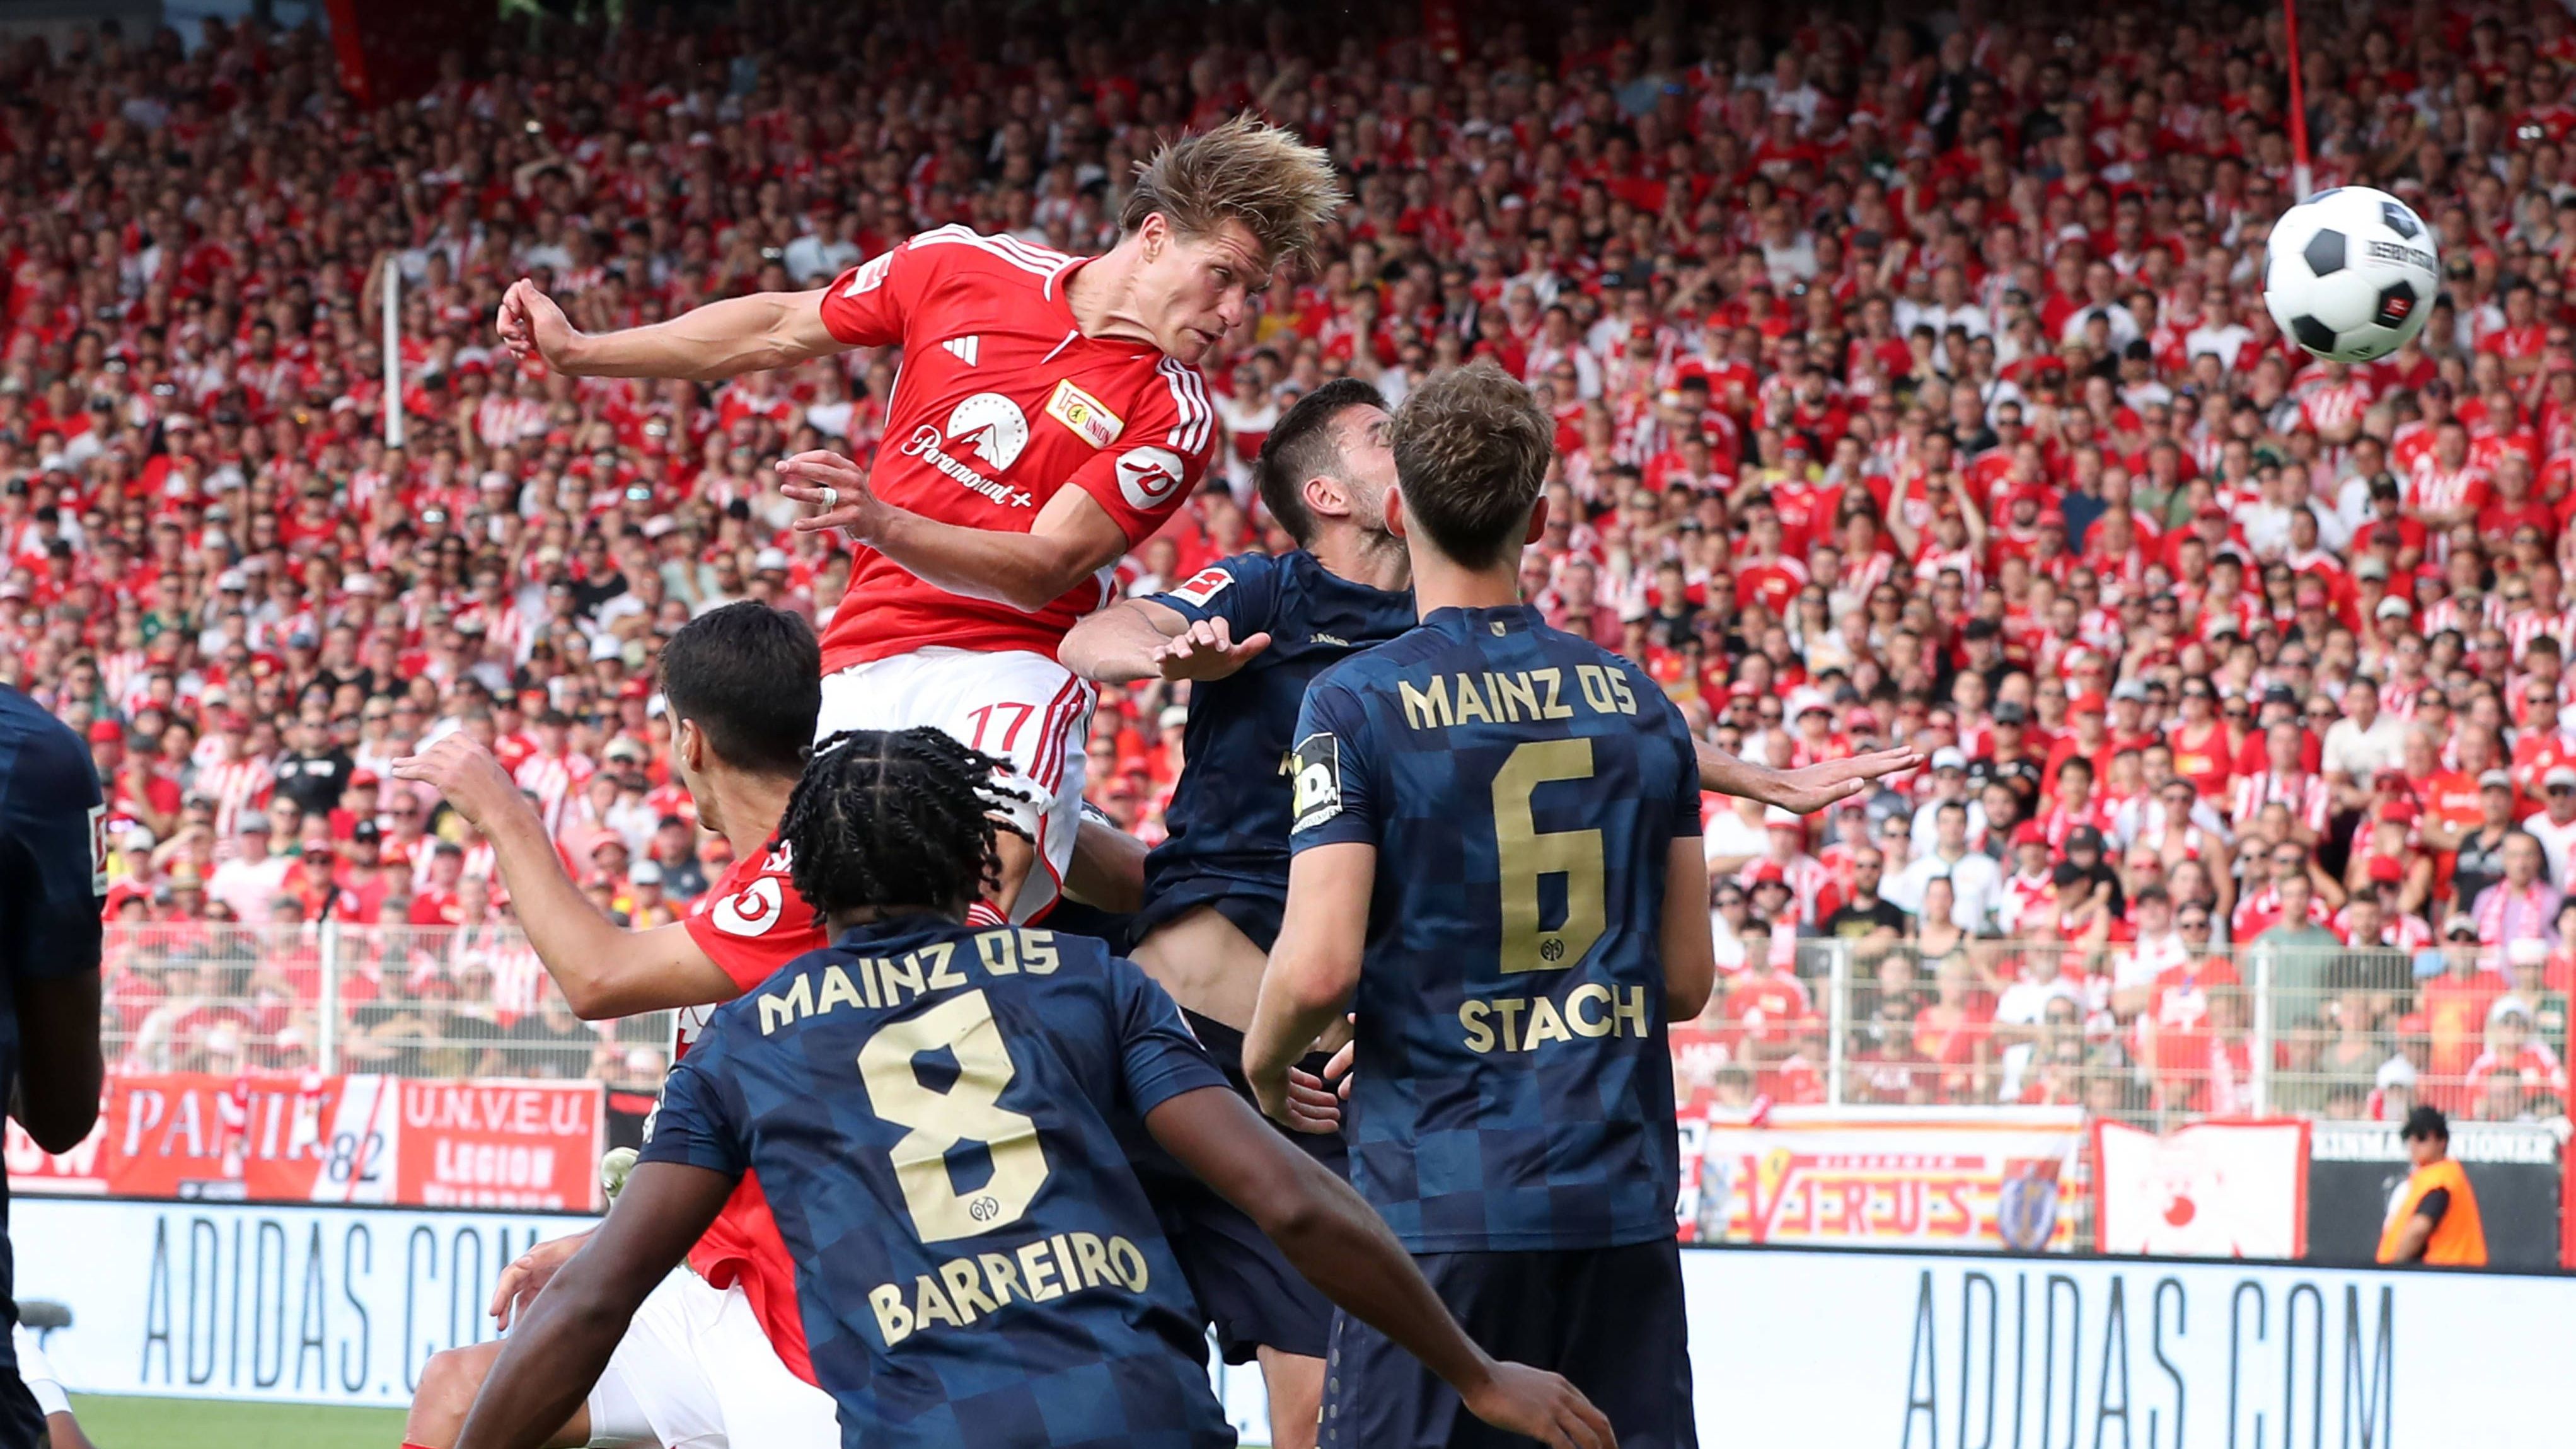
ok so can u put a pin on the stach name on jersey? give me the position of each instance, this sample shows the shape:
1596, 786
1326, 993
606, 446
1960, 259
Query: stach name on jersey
1591, 1011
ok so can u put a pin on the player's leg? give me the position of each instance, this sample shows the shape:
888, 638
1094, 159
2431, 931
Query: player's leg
766, 1406
1623, 1338
1295, 1384
1377, 1396
448, 1384
1212, 967
655, 1390
1207, 964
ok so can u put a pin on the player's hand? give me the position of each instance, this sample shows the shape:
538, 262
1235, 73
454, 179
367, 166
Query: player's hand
837, 486
1536, 1404
528, 1275
531, 325
1273, 1097
1314, 1103
472, 781
1207, 650
1311, 1105
1811, 789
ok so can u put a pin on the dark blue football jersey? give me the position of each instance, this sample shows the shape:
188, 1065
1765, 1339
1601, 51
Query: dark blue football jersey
1523, 789
1228, 816
53, 872
928, 1106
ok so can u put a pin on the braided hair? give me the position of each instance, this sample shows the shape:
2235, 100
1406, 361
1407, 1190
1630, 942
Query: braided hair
895, 818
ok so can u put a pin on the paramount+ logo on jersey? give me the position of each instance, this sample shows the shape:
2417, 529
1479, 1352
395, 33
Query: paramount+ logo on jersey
988, 427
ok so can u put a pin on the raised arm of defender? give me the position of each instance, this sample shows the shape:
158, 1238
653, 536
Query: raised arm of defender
1140, 639
1802, 791
719, 340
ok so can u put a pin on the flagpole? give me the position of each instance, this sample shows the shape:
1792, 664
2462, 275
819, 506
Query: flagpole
2303, 182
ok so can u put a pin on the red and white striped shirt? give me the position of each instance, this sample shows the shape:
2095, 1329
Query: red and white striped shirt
2306, 796
235, 786
2530, 624
2406, 933
2432, 488
2024, 897
2330, 405
2398, 696
2533, 1061
553, 779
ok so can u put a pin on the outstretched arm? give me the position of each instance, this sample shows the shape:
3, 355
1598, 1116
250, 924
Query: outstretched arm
1141, 639
550, 1361
1337, 1242
603, 969
719, 340
1800, 791
1122, 643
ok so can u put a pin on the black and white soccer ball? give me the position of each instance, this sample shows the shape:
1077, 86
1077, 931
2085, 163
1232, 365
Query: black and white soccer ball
2350, 274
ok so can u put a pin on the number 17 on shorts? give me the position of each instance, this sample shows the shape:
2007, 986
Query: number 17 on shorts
1016, 706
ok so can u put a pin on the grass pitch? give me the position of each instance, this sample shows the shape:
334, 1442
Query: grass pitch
119, 1422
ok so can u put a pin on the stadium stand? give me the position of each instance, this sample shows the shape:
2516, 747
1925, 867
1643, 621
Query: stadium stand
1913, 384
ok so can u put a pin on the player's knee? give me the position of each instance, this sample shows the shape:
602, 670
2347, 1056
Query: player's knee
448, 1383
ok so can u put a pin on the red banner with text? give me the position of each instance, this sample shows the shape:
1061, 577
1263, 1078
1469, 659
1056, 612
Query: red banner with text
336, 1139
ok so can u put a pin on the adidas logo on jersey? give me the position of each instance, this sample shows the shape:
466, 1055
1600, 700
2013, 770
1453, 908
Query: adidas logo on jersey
963, 348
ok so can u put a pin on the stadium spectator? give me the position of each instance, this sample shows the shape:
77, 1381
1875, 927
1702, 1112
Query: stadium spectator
2127, 565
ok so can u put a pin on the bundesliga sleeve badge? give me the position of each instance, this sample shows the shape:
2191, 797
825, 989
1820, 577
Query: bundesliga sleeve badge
1316, 763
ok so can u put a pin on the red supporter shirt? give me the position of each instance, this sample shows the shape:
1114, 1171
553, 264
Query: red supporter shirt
1003, 403
751, 923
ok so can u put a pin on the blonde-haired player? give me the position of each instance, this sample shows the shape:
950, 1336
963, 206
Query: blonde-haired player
1048, 417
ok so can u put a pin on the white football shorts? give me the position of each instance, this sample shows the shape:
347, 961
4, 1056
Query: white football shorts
695, 1371
1016, 706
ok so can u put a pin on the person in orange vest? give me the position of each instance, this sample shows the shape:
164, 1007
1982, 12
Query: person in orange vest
2435, 1218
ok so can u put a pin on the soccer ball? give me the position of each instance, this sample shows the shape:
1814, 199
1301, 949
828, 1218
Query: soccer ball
2350, 274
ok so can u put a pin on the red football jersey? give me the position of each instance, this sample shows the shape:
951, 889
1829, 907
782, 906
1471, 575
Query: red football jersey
1003, 402
751, 923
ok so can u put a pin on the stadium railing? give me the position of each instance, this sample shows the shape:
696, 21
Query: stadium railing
405, 1001
2153, 1035
2149, 1034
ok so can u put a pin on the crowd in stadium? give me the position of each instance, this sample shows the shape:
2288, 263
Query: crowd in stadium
1913, 385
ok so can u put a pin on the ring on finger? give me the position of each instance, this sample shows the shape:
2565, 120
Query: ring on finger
831, 498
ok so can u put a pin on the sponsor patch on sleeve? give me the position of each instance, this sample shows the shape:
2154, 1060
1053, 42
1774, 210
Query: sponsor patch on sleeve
1317, 765
1088, 418
751, 911
1148, 476
1204, 585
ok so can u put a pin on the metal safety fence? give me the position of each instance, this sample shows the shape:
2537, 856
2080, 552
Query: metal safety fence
2156, 1032
406, 1001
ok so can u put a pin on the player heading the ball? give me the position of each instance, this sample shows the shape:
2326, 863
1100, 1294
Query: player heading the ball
1049, 415
1497, 864
929, 1106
